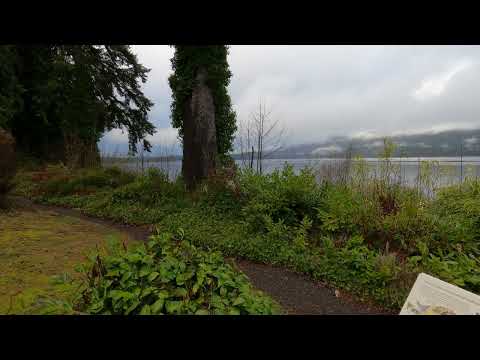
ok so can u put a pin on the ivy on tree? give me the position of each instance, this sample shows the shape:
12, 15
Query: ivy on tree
185, 64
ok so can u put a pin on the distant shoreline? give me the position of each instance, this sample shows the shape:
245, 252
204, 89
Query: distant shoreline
412, 159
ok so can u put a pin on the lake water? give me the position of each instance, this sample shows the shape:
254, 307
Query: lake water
443, 170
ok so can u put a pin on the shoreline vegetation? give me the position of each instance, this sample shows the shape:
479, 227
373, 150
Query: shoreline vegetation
368, 236
107, 159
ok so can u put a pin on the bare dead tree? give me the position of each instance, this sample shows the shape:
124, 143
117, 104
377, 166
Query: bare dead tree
260, 137
244, 142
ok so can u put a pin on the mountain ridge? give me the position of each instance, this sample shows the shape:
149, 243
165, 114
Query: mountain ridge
444, 143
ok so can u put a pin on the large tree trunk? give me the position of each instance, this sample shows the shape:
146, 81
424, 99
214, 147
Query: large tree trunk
80, 153
7, 164
199, 138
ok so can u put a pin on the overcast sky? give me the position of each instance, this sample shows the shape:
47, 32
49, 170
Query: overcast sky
322, 91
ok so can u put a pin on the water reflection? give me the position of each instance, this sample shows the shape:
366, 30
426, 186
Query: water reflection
408, 171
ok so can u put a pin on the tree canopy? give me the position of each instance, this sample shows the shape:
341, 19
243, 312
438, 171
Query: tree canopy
53, 98
186, 61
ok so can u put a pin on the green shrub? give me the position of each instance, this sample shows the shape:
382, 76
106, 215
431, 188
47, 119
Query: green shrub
281, 195
118, 177
157, 175
410, 224
457, 268
221, 191
86, 181
149, 190
168, 276
357, 268
344, 212
338, 211
457, 212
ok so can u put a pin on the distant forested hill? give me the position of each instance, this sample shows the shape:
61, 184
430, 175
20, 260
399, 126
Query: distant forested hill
448, 143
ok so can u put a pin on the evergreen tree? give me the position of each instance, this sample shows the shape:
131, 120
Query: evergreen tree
10, 89
70, 95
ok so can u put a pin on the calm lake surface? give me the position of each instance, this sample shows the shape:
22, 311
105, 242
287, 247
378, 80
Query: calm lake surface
443, 170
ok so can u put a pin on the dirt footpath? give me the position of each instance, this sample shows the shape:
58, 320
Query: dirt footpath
299, 295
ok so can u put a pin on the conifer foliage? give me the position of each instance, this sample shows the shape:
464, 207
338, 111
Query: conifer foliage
57, 101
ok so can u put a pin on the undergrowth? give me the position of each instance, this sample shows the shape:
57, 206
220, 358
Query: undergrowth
369, 236
167, 276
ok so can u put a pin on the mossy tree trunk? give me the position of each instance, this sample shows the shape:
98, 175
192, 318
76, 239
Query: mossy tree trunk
81, 153
7, 163
199, 140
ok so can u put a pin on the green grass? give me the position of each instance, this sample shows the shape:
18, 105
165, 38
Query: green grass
38, 246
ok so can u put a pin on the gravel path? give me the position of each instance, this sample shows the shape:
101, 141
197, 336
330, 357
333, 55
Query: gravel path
299, 295
296, 293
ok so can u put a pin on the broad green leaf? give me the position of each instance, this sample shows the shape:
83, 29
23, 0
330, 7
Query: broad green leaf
173, 306
147, 291
158, 306
180, 292
126, 276
113, 273
146, 310
195, 288
144, 271
234, 311
239, 301
202, 312
153, 276
164, 294
134, 257
117, 294
132, 307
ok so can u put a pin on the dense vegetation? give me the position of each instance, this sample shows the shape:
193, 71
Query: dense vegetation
368, 236
57, 101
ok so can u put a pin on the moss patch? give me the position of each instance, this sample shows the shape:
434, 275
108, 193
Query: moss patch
37, 245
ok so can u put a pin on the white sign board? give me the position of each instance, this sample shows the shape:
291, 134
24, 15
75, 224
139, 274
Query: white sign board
432, 296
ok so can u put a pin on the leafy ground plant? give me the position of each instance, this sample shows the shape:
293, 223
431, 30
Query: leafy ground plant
168, 276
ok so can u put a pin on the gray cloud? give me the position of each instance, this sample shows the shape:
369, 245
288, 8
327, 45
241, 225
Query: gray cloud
322, 91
